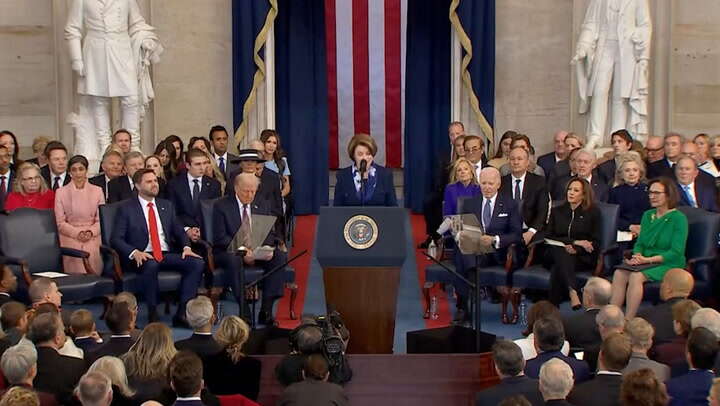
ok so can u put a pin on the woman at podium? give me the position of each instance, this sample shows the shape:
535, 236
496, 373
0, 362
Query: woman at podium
364, 183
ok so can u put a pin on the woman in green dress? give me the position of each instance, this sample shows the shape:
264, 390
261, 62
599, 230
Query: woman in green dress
660, 245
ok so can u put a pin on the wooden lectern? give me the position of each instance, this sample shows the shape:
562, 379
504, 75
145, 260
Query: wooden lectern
361, 283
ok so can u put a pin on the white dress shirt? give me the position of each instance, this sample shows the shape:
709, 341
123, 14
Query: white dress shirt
132, 184
496, 238
61, 182
163, 241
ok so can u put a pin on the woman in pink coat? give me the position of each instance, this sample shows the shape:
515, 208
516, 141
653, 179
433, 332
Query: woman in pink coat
77, 216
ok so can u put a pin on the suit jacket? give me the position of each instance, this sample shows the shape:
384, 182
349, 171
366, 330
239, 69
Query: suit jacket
193, 402
225, 377
346, 195
114, 347
203, 345
131, 231
87, 344
100, 182
660, 316
45, 173
600, 189
690, 389
231, 166
606, 170
119, 189
581, 329
580, 368
604, 390
227, 221
671, 352
640, 361
517, 385
547, 163
311, 393
660, 168
57, 374
706, 196
269, 191
8, 187
534, 205
505, 221
180, 194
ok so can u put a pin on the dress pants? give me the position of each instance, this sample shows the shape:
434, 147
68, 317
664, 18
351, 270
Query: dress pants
191, 269
565, 265
272, 286
465, 265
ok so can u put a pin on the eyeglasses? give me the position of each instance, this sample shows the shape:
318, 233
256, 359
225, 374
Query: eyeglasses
32, 179
655, 193
475, 149
654, 150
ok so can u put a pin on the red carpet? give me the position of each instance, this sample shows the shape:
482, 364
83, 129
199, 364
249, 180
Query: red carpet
418, 228
304, 237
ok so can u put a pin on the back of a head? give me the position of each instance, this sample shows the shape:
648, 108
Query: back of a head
556, 379
11, 313
309, 339
119, 318
683, 312
114, 369
515, 400
640, 333
126, 297
610, 318
94, 389
81, 321
599, 290
508, 358
549, 334
199, 312
44, 327
702, 345
149, 357
186, 374
39, 288
20, 396
708, 318
17, 362
315, 367
232, 334
615, 352
642, 388
679, 282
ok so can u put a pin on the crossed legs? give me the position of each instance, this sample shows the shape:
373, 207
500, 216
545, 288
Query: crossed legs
627, 287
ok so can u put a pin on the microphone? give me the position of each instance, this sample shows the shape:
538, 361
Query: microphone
363, 166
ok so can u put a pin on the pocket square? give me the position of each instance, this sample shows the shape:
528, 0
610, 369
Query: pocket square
502, 215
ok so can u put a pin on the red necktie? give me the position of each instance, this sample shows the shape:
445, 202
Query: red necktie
154, 234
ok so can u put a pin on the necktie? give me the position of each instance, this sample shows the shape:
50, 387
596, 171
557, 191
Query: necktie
222, 164
486, 214
689, 196
518, 193
56, 184
3, 186
245, 227
154, 234
196, 192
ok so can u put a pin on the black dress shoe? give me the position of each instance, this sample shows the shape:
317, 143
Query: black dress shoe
180, 322
460, 316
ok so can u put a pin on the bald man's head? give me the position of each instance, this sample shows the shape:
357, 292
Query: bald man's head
489, 181
676, 283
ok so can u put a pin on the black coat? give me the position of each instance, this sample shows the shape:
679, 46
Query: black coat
224, 377
114, 347
534, 206
600, 189
660, 316
581, 330
57, 374
180, 194
604, 390
119, 189
100, 182
201, 344
517, 385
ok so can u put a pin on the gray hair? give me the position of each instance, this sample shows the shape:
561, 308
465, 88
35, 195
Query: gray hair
610, 316
599, 290
640, 332
17, 361
133, 155
508, 358
199, 312
127, 297
39, 288
93, 389
114, 369
708, 318
556, 379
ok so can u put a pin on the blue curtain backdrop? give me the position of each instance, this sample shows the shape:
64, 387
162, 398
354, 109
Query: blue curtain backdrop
427, 95
301, 102
248, 18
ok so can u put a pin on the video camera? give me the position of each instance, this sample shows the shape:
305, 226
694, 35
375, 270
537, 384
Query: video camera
330, 339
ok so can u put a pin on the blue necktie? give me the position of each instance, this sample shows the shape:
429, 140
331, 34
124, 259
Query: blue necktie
689, 196
486, 214
222, 164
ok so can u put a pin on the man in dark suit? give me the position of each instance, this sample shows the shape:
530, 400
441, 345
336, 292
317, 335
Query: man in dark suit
55, 173
547, 162
57, 374
186, 378
8, 283
581, 330
146, 231
229, 215
7, 175
509, 365
693, 388
556, 382
614, 356
19, 368
123, 187
200, 316
95, 388
677, 284
610, 320
112, 167
584, 167
186, 191
500, 219
120, 319
692, 192
227, 162
654, 148
315, 388
673, 149
475, 153
549, 339
269, 186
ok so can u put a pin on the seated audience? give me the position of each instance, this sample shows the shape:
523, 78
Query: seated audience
548, 161
123, 187
82, 327
166, 153
708, 318
693, 388
201, 317
94, 389
584, 168
7, 176
614, 356
147, 362
509, 365
114, 369
19, 368
673, 352
55, 173
672, 148
641, 333
537, 311
556, 382
610, 320
185, 374
275, 159
503, 150
8, 282
374, 187
122, 139
705, 161
68, 347
575, 223
563, 168
19, 396
462, 184
230, 371
212, 170
549, 339
14, 321
268, 192
516, 400
120, 320
631, 192
153, 162
78, 218
692, 191
30, 190
581, 329
660, 246
622, 142
48, 334
522, 141
111, 167
131, 300
38, 149
677, 284
642, 388
314, 389
654, 147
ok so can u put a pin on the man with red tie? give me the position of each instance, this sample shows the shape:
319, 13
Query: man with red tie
148, 237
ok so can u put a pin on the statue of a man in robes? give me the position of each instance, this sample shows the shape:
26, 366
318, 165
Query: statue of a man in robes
612, 56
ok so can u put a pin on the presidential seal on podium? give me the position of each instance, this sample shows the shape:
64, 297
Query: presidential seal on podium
360, 232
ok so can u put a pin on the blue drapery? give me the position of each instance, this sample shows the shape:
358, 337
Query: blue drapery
427, 95
301, 102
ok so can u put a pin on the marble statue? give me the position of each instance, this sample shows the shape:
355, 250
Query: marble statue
611, 59
111, 49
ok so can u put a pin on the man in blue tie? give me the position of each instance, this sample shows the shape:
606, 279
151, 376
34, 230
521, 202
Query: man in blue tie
692, 192
226, 161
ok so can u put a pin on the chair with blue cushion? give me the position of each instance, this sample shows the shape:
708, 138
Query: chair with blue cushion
30, 238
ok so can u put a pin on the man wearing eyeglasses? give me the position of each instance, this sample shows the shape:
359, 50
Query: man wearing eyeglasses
474, 152
655, 149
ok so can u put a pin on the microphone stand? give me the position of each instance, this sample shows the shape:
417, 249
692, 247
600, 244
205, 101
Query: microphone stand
240, 285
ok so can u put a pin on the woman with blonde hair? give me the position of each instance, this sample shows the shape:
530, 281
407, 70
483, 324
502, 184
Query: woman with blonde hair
147, 361
631, 194
462, 184
213, 171
30, 190
114, 369
20, 396
230, 371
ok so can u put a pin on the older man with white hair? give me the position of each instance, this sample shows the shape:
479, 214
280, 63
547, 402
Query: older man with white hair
201, 316
710, 319
19, 367
584, 163
556, 382
610, 319
581, 329
501, 222
94, 389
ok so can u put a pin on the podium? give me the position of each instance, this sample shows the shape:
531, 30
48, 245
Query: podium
361, 251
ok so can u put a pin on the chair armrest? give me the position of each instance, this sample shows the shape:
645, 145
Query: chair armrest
117, 268
24, 268
75, 253
692, 263
210, 256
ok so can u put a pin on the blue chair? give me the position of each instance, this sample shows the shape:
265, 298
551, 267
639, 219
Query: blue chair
30, 238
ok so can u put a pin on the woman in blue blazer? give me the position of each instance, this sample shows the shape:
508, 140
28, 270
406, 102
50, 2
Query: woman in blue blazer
374, 188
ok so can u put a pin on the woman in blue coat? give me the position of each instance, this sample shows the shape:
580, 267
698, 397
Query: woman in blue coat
373, 187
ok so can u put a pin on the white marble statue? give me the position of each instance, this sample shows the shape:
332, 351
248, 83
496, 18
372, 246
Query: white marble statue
111, 49
612, 58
